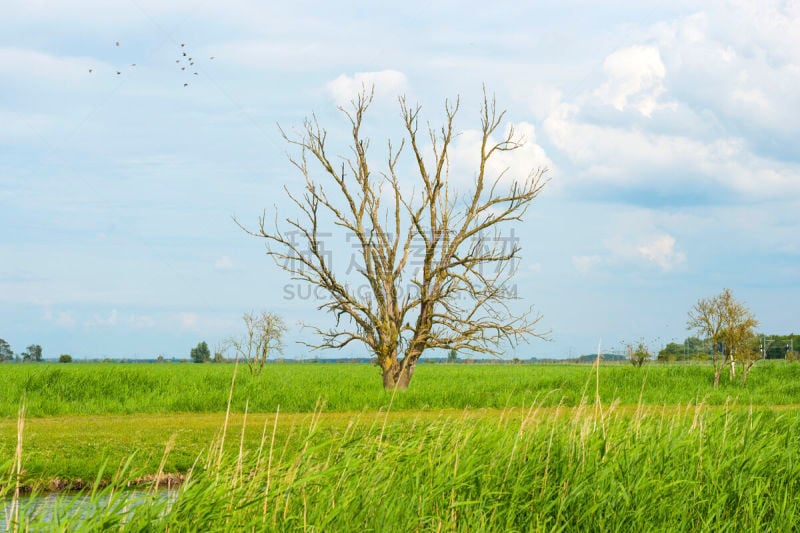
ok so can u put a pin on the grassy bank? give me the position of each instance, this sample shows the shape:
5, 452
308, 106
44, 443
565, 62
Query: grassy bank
644, 468
97, 389
498, 448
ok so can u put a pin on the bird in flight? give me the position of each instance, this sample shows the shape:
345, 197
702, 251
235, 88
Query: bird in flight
116, 43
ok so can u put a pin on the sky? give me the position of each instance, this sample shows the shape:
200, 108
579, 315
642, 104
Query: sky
671, 131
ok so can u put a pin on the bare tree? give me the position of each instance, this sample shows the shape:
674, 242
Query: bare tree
637, 354
729, 325
460, 294
220, 348
263, 337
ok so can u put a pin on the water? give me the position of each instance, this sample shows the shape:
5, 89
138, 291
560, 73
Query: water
49, 507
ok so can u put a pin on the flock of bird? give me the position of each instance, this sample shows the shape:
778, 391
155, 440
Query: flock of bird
185, 61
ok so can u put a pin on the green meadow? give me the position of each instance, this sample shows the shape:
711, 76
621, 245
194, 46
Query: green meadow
54, 390
320, 447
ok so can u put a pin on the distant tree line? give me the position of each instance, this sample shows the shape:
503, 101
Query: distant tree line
31, 353
766, 346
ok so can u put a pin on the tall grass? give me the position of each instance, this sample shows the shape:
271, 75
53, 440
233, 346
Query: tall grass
675, 468
82, 389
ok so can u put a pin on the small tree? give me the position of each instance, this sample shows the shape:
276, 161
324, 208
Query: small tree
219, 352
729, 325
5, 351
32, 353
200, 353
64, 358
749, 355
452, 356
637, 354
263, 337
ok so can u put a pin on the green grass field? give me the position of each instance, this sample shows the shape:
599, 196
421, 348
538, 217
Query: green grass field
481, 447
99, 389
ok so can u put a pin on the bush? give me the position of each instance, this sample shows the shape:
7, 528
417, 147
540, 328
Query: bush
64, 358
639, 354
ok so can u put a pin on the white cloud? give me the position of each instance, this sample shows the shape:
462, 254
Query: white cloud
65, 319
513, 165
388, 84
141, 321
633, 247
223, 263
636, 79
586, 263
742, 62
661, 251
100, 321
32, 63
264, 54
628, 156
188, 320
205, 323
22, 127
541, 99
703, 106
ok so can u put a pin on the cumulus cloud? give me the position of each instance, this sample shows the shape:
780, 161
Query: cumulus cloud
388, 84
743, 63
626, 156
635, 78
639, 251
693, 111
510, 166
661, 251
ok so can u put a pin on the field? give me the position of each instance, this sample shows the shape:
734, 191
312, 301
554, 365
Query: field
468, 447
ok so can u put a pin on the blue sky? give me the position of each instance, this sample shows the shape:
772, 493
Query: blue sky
672, 134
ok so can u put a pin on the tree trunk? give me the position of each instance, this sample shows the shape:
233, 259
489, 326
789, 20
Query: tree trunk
397, 376
732, 363
717, 372
746, 371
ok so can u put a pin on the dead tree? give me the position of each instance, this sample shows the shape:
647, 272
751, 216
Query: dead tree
263, 337
460, 281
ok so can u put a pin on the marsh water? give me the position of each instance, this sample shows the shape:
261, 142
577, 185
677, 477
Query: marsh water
55, 507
